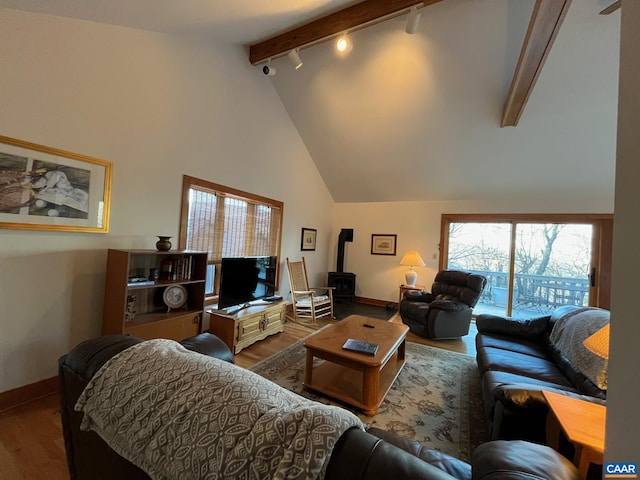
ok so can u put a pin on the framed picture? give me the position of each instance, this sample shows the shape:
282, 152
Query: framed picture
42, 188
382, 244
308, 239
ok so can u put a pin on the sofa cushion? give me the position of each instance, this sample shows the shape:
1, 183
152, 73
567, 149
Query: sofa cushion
496, 359
504, 342
568, 335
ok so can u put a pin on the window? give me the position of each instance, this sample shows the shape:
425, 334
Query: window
533, 263
227, 223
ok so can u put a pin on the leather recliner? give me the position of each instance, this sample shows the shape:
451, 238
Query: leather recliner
445, 312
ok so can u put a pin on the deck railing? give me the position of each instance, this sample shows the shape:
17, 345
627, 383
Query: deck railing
540, 292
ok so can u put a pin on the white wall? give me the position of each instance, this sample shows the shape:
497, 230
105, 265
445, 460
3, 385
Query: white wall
623, 415
417, 226
158, 107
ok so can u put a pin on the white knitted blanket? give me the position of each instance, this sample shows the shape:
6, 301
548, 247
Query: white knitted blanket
181, 415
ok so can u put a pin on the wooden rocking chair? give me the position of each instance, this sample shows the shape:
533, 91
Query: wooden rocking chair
308, 302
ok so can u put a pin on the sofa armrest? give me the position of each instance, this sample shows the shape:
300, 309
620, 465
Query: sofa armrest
89, 356
517, 459
359, 455
453, 466
448, 306
520, 395
418, 296
523, 328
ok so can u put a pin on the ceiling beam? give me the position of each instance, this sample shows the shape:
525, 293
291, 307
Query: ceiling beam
545, 22
611, 8
346, 20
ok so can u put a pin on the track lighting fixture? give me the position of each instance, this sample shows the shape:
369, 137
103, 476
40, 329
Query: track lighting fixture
343, 43
294, 57
413, 21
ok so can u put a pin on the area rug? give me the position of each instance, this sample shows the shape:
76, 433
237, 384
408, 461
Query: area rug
435, 400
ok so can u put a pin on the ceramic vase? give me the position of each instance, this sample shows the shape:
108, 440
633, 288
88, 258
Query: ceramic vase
163, 244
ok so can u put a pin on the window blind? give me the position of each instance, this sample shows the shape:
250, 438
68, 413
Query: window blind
228, 226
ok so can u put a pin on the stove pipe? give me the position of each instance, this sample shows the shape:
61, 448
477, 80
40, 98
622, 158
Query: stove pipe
346, 235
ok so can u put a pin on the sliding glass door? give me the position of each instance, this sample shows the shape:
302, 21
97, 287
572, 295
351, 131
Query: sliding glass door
531, 267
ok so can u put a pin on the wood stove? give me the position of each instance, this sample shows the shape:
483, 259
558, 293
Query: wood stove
343, 282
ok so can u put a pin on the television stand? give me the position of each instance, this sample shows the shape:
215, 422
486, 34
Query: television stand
248, 324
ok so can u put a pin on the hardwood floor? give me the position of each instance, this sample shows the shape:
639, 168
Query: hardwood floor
31, 443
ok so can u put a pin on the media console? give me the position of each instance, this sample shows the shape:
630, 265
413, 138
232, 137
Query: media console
247, 325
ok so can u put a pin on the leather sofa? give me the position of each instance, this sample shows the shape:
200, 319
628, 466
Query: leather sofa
445, 312
517, 359
374, 454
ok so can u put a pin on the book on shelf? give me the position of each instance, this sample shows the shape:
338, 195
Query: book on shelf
177, 269
360, 346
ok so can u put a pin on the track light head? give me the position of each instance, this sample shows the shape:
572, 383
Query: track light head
294, 57
413, 21
268, 70
344, 45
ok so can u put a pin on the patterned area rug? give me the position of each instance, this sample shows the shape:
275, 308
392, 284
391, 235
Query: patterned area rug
436, 399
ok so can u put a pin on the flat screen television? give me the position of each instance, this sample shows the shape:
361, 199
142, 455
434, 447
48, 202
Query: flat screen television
245, 279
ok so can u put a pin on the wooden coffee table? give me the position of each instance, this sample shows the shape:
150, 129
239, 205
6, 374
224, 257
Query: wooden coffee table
355, 378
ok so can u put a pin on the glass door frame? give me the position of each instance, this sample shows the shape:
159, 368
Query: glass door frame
601, 248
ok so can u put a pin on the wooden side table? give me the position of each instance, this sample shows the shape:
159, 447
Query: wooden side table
404, 288
582, 422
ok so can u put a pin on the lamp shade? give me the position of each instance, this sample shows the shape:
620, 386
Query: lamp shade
412, 259
598, 343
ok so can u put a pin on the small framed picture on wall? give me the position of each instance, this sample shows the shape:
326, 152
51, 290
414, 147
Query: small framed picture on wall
308, 242
383, 244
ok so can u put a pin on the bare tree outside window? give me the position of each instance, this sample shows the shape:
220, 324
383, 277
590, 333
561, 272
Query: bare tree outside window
550, 264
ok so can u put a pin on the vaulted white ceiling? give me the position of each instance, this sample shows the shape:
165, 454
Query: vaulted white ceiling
417, 117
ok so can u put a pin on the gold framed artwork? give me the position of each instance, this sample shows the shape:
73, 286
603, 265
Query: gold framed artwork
43, 188
308, 241
383, 244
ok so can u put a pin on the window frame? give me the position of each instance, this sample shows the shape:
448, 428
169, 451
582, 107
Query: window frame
602, 242
189, 182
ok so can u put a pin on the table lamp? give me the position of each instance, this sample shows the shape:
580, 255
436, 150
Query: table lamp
598, 343
412, 259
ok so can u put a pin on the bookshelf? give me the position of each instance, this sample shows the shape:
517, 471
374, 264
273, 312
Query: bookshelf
136, 301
